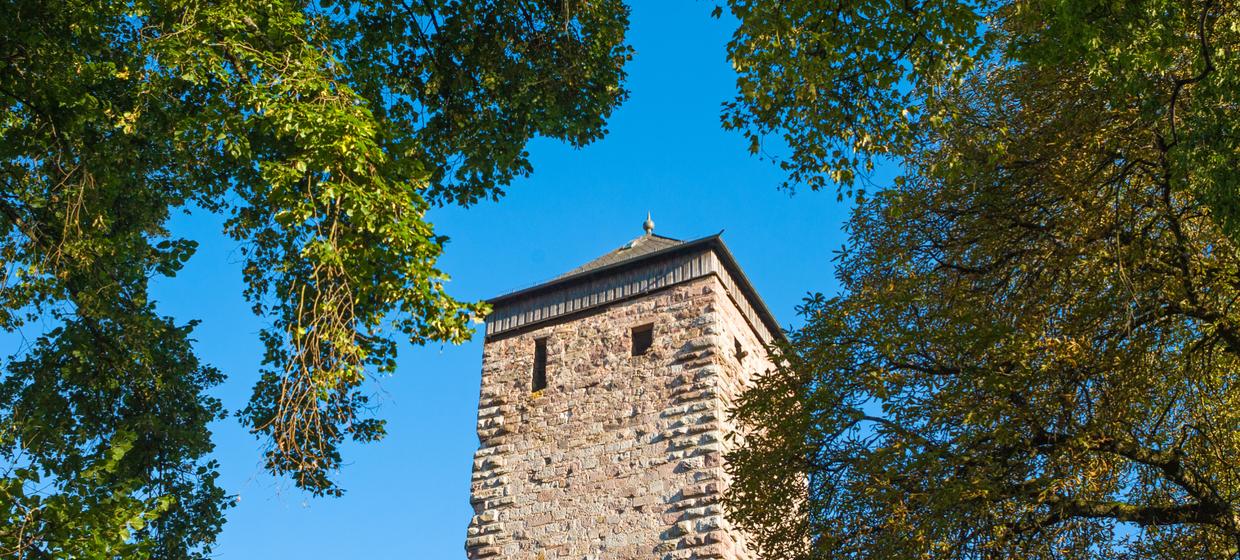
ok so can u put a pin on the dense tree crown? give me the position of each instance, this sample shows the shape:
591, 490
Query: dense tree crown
1036, 351
1035, 354
323, 131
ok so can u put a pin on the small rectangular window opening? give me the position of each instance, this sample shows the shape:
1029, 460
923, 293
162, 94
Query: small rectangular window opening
643, 339
540, 365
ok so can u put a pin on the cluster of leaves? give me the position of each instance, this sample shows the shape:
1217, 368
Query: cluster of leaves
848, 85
323, 132
1036, 354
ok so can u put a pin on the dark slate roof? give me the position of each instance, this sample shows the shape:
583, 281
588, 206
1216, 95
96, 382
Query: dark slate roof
607, 263
650, 246
640, 247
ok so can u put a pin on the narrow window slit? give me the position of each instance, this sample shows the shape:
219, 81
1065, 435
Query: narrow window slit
539, 381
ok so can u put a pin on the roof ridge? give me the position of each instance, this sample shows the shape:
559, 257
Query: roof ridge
582, 270
669, 247
633, 249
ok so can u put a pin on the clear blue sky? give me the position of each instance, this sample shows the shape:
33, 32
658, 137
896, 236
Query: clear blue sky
408, 496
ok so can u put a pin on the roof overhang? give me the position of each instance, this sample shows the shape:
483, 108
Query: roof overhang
713, 244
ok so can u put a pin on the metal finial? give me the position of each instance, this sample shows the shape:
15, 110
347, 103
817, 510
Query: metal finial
648, 225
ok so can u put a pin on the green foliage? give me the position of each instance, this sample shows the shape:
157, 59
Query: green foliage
1014, 372
109, 413
847, 85
323, 132
1036, 352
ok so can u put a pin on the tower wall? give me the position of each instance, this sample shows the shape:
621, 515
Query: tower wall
620, 456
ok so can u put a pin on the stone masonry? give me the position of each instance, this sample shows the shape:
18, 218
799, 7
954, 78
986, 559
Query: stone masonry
620, 456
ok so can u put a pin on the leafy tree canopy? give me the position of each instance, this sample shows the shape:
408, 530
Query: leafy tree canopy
322, 131
1036, 351
847, 85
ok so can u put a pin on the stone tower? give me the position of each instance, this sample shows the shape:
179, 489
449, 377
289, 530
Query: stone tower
602, 416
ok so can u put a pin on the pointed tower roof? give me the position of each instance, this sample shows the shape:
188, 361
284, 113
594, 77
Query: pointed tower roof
644, 264
634, 249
